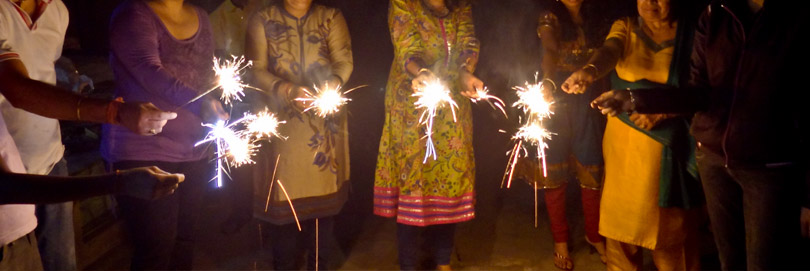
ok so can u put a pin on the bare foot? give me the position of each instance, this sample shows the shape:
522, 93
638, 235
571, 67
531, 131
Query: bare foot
561, 258
600, 248
444, 267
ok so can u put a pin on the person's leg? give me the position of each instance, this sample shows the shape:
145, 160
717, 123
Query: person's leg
284, 242
21, 254
324, 228
622, 256
771, 203
190, 195
724, 205
442, 239
407, 242
152, 224
555, 204
684, 256
55, 234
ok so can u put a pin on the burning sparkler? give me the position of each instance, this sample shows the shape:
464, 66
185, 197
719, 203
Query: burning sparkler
430, 98
327, 100
263, 125
494, 101
229, 79
536, 108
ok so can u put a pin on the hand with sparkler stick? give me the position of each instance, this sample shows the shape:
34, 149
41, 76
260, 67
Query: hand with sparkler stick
493, 101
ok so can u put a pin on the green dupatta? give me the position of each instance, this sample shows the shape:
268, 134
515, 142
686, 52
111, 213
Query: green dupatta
679, 182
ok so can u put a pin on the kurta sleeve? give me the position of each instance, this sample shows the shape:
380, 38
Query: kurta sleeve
619, 31
406, 39
256, 51
469, 43
340, 47
134, 42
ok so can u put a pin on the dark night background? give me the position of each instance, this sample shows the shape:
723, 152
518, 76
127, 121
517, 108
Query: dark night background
510, 54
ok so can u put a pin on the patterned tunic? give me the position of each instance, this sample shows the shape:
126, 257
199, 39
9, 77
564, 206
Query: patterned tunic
314, 164
439, 191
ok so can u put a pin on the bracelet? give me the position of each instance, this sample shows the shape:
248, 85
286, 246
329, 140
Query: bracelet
550, 81
595, 69
632, 100
79, 109
111, 115
422, 70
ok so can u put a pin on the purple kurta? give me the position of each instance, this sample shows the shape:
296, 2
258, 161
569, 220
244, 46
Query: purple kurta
150, 65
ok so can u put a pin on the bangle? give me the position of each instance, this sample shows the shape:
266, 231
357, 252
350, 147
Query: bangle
552, 83
632, 100
79, 109
111, 116
595, 69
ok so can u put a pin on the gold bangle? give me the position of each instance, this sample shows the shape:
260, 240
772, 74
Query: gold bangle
79, 109
595, 69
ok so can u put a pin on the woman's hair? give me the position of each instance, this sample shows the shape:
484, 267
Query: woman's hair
595, 22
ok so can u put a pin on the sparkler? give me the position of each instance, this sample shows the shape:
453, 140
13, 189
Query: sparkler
229, 79
536, 108
263, 125
430, 98
494, 101
327, 100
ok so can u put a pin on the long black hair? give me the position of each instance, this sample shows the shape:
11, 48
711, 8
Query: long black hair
595, 23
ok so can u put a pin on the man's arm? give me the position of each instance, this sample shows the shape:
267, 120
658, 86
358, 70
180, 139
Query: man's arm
145, 183
52, 102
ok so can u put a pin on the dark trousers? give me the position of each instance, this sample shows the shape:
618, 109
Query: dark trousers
438, 237
289, 243
55, 235
162, 231
754, 213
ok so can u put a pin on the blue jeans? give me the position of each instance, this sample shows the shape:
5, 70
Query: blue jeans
754, 214
54, 231
439, 238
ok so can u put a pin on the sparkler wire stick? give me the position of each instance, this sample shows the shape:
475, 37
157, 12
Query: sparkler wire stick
291, 204
535, 204
272, 181
317, 245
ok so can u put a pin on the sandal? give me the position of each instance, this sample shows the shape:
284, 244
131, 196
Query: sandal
602, 256
562, 262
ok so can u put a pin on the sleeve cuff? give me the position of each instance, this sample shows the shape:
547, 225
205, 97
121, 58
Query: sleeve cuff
8, 56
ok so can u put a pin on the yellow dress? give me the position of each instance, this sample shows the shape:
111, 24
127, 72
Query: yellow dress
629, 208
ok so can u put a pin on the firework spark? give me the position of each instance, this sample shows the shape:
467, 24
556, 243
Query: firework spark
536, 108
263, 125
229, 79
327, 100
231, 145
430, 98
494, 101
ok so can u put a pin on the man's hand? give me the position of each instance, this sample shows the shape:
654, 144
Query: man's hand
805, 222
647, 121
211, 111
614, 102
579, 81
147, 182
143, 118
469, 84
296, 94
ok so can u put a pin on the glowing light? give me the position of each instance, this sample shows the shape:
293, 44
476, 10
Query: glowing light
430, 98
229, 77
263, 125
327, 100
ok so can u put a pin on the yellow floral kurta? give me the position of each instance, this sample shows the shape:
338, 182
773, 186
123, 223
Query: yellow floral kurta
629, 207
314, 164
439, 191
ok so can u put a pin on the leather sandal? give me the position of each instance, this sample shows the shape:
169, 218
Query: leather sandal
562, 262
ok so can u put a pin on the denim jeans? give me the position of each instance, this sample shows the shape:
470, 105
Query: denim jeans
439, 237
162, 230
754, 213
55, 237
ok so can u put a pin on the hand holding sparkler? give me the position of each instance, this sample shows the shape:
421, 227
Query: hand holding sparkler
141, 118
212, 111
469, 84
147, 183
579, 81
614, 102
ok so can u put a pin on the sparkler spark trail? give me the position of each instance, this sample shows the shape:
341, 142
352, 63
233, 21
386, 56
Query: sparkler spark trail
494, 101
327, 100
430, 99
269, 191
263, 125
536, 108
291, 204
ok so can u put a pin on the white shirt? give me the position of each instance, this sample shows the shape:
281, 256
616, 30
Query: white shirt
16, 220
38, 45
